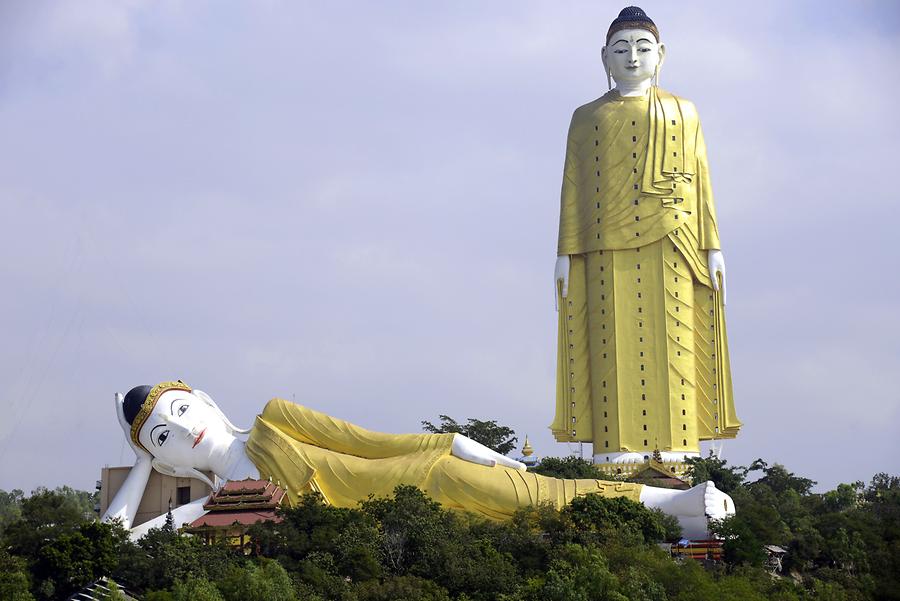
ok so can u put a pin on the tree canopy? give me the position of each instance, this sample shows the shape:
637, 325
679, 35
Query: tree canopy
489, 433
841, 545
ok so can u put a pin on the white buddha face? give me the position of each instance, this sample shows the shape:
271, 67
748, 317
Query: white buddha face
185, 430
633, 55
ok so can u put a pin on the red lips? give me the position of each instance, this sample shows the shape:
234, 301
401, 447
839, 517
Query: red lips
199, 437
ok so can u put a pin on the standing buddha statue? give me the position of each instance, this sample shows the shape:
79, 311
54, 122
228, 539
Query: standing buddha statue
642, 357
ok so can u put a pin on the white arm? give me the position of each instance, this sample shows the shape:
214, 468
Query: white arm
124, 505
180, 515
561, 274
716, 264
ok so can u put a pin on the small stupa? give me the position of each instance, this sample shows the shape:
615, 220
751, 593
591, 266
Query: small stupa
528, 456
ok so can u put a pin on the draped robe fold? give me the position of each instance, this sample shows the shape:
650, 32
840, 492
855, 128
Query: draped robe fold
306, 450
642, 350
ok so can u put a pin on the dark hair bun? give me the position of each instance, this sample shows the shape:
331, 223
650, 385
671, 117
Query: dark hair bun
134, 400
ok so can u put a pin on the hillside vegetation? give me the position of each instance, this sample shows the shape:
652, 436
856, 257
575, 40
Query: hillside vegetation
843, 544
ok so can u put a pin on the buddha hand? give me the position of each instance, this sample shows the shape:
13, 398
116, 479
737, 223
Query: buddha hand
561, 274
475, 452
716, 264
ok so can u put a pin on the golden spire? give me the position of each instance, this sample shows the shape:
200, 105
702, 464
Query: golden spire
527, 451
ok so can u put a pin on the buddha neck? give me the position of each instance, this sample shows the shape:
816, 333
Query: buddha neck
633, 88
232, 463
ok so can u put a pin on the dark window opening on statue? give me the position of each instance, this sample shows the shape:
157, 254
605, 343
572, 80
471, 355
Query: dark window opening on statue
183, 495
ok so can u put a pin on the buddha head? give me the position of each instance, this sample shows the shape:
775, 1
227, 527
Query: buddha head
181, 428
633, 52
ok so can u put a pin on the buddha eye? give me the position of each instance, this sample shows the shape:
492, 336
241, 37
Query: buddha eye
182, 409
162, 437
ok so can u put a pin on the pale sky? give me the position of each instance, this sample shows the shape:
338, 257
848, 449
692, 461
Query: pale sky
355, 206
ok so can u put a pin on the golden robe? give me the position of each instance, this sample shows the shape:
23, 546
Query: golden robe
642, 355
306, 450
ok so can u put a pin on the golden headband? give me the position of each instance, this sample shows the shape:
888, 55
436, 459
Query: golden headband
148, 405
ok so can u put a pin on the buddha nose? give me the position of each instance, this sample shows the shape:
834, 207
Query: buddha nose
188, 429
633, 56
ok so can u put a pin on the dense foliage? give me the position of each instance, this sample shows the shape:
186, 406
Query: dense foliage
844, 544
489, 433
568, 467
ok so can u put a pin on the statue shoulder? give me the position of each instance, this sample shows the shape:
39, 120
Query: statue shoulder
687, 107
588, 110
586, 116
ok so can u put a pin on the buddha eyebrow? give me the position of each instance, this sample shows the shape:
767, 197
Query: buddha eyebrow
172, 406
151, 433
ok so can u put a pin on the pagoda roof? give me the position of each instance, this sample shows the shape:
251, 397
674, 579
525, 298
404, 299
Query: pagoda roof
659, 471
242, 502
244, 495
223, 519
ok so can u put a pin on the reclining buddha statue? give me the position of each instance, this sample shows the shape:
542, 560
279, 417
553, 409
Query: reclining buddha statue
181, 432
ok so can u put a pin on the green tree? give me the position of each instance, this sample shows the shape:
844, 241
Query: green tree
575, 573
703, 469
349, 537
162, 557
14, 580
601, 517
46, 515
412, 529
489, 433
779, 479
529, 537
267, 581
193, 588
742, 545
10, 507
402, 588
75, 559
567, 467
844, 497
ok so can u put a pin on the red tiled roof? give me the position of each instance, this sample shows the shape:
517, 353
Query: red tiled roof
221, 519
247, 486
242, 502
245, 494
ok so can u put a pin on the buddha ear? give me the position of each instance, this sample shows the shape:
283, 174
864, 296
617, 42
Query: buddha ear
208, 400
181, 472
603, 54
